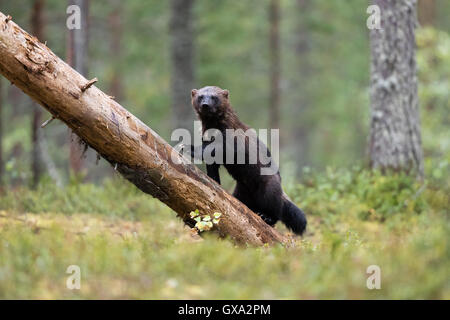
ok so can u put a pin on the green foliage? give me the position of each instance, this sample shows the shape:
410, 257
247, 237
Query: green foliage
434, 74
112, 199
371, 194
203, 222
129, 245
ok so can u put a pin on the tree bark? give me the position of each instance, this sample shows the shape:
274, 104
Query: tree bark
274, 49
395, 139
182, 56
135, 150
37, 22
77, 46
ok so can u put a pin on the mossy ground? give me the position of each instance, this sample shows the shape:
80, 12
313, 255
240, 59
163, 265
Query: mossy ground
129, 245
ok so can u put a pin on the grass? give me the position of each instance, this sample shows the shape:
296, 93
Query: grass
129, 245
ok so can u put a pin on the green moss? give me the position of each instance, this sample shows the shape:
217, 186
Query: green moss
129, 245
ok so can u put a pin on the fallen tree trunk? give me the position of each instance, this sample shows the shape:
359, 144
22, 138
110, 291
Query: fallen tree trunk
135, 150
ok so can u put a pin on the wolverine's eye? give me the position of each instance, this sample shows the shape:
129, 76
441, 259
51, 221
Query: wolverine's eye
200, 98
215, 99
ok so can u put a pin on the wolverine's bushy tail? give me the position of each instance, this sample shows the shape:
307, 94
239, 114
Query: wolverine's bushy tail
293, 217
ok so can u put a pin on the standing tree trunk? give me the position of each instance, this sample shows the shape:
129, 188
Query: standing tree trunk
182, 55
427, 12
37, 22
303, 51
116, 28
274, 49
395, 140
77, 46
135, 150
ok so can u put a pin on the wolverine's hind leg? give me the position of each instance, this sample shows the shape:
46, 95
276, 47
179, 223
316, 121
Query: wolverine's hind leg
269, 202
262, 202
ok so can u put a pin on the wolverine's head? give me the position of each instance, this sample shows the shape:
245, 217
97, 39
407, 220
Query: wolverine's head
209, 101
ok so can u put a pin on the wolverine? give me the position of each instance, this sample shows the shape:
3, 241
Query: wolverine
262, 193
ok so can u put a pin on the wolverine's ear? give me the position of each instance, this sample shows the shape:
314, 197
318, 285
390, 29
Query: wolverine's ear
225, 93
193, 92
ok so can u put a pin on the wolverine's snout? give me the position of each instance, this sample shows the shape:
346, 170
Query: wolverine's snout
207, 102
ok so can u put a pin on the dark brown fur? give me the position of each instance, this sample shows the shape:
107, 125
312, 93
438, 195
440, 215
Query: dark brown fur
261, 193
